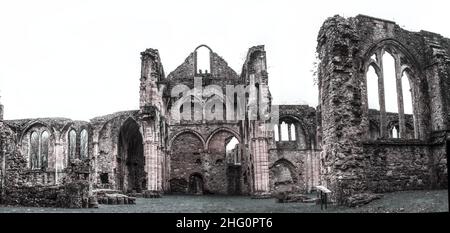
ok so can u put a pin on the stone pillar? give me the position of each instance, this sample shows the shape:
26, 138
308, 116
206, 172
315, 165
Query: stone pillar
260, 164
59, 159
437, 75
151, 159
94, 159
401, 111
341, 103
383, 127
289, 132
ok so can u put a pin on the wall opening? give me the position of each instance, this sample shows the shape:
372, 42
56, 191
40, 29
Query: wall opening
203, 62
395, 132
276, 133
372, 89
196, 184
34, 150
232, 151
407, 94
185, 159
284, 132
45, 136
293, 133
390, 83
130, 161
84, 144
72, 144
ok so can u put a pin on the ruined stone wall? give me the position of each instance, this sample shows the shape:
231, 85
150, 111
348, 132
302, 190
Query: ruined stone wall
51, 170
397, 166
22, 186
108, 128
345, 47
200, 149
300, 157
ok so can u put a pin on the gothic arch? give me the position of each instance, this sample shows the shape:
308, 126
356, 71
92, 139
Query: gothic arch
288, 164
308, 135
389, 44
187, 131
211, 135
34, 123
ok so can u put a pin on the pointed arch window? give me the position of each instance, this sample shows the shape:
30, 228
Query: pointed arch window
38, 148
203, 60
34, 150
84, 144
72, 144
390, 91
44, 149
293, 133
276, 133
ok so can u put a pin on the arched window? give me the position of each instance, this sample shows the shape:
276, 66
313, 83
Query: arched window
390, 83
407, 94
84, 144
44, 149
293, 132
232, 151
34, 150
72, 144
397, 103
203, 60
395, 132
284, 132
276, 134
372, 89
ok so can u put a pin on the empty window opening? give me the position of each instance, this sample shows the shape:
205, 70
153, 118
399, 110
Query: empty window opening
284, 132
84, 144
276, 134
72, 144
407, 94
372, 89
395, 132
293, 138
390, 83
203, 60
232, 151
34, 150
44, 149
104, 178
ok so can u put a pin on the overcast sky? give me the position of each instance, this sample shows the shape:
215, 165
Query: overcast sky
80, 59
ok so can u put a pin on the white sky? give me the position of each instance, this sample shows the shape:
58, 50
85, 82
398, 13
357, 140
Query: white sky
80, 59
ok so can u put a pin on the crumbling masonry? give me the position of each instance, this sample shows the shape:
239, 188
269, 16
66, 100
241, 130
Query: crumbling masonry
358, 153
342, 144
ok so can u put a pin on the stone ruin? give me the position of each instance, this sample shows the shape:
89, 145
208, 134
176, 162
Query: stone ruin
359, 153
355, 151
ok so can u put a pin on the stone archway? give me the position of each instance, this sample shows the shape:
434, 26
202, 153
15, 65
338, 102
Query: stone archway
186, 149
224, 176
130, 159
283, 175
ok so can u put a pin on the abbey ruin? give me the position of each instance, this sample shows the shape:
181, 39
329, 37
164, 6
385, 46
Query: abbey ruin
205, 129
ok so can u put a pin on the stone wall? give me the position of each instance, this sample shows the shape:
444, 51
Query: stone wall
22, 186
302, 165
346, 47
107, 129
397, 166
